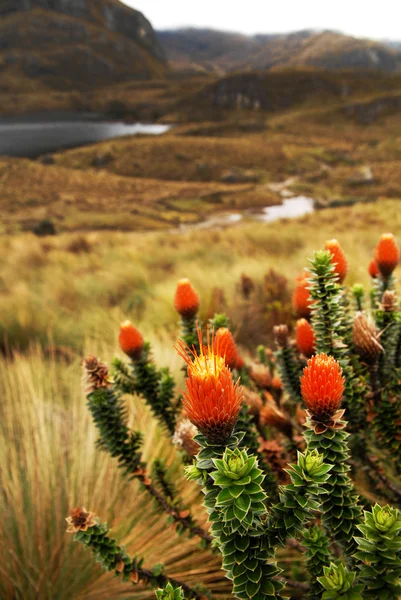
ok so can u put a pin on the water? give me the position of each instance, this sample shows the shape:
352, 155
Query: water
30, 137
298, 206
291, 208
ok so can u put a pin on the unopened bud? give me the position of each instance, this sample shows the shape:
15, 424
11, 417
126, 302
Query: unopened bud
388, 303
281, 335
365, 338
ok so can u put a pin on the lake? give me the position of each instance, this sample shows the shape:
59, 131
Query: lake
32, 135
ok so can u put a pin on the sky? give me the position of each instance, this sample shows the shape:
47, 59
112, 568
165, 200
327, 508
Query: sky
376, 19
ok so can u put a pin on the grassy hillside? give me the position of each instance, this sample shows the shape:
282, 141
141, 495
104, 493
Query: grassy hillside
80, 46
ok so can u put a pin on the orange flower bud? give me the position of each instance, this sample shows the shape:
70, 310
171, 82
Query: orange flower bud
186, 300
322, 388
338, 259
276, 384
271, 415
301, 297
240, 364
373, 269
225, 346
305, 337
211, 401
387, 254
131, 340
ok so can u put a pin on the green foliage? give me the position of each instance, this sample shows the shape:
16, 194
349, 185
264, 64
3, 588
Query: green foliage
109, 416
113, 557
341, 512
317, 547
358, 294
379, 550
339, 584
169, 592
235, 502
300, 499
156, 386
290, 370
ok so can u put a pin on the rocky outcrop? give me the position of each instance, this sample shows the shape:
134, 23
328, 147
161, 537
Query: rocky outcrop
78, 43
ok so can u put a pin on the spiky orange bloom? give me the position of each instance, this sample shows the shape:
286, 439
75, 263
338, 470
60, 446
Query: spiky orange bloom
373, 269
339, 260
225, 346
80, 520
211, 401
322, 388
305, 337
131, 340
387, 254
186, 299
301, 297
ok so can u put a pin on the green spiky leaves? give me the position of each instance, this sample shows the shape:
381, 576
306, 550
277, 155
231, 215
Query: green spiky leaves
379, 550
169, 592
241, 498
339, 584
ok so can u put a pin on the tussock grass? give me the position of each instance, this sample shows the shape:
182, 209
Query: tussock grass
50, 464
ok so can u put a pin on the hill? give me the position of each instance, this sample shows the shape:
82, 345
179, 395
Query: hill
81, 43
205, 49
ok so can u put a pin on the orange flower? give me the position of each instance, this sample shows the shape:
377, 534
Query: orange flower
305, 337
373, 269
186, 300
338, 259
80, 520
301, 297
387, 254
225, 346
322, 388
131, 340
212, 401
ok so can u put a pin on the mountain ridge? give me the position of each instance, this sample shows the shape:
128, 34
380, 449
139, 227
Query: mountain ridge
211, 50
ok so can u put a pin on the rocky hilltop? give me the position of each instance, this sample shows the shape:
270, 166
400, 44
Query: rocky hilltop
75, 43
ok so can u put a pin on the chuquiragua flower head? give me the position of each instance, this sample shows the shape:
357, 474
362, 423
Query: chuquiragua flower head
322, 389
224, 344
80, 520
338, 259
305, 337
212, 400
387, 254
301, 297
186, 299
131, 340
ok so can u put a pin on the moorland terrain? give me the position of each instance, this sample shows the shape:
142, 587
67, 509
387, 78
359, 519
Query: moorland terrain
241, 140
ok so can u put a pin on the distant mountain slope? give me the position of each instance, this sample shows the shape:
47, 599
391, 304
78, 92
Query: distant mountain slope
75, 43
205, 49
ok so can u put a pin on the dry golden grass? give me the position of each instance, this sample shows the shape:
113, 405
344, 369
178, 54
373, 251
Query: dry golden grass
50, 464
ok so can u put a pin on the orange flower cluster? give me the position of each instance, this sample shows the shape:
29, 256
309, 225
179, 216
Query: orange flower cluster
131, 340
322, 388
339, 259
211, 401
305, 337
186, 299
387, 254
301, 297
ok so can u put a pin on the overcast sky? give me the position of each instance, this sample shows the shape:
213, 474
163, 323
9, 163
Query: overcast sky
363, 18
